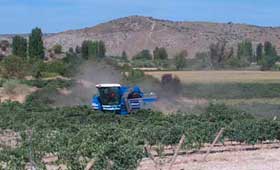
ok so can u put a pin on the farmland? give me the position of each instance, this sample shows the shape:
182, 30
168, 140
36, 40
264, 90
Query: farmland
75, 136
253, 91
222, 76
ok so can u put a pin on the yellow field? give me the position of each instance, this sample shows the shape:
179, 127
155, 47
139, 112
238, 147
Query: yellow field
221, 76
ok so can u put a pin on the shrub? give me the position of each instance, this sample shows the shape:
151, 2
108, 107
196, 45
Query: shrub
49, 74
268, 62
180, 61
13, 67
160, 53
143, 55
57, 67
71, 50
57, 49
134, 75
4, 45
124, 56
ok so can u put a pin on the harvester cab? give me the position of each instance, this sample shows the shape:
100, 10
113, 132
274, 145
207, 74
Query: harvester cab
121, 99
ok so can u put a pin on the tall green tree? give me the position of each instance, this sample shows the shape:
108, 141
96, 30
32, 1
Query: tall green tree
245, 48
93, 49
101, 49
270, 56
124, 56
180, 60
219, 54
84, 49
36, 44
245, 52
160, 53
78, 49
259, 53
19, 46
269, 49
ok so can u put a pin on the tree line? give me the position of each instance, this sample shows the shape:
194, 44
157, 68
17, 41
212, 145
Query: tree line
32, 49
160, 57
221, 56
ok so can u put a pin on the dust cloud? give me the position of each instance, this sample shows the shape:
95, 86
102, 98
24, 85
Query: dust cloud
90, 73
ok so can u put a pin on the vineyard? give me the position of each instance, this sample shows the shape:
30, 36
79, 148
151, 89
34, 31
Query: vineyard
77, 135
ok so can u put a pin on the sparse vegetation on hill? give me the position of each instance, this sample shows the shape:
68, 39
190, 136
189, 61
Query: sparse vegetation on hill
136, 33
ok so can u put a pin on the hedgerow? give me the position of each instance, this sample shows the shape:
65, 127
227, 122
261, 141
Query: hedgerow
78, 134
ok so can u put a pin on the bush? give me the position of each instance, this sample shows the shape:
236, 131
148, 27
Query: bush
41, 99
49, 74
13, 67
235, 62
160, 53
4, 45
57, 49
268, 62
180, 60
143, 63
143, 55
134, 75
57, 83
64, 67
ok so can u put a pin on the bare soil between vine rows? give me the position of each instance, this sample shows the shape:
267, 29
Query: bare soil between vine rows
229, 157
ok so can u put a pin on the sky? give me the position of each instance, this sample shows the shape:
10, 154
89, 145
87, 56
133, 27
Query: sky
20, 16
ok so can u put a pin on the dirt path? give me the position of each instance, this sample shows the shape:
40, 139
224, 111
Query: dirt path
243, 160
231, 156
149, 37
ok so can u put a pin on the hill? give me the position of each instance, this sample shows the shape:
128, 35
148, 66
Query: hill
135, 33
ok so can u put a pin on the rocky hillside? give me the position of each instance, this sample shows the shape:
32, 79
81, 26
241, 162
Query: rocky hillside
135, 33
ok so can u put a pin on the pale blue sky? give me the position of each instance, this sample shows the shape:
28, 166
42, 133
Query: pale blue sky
20, 16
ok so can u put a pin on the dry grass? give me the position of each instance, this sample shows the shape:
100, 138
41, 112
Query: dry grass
13, 90
222, 76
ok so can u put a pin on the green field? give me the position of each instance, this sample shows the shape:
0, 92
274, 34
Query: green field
253, 91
